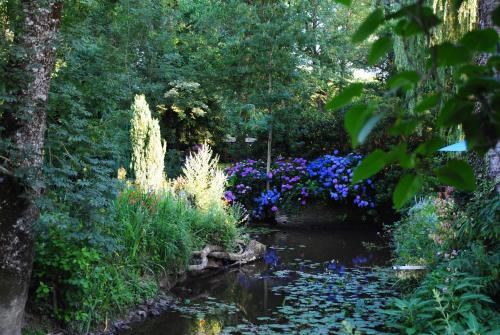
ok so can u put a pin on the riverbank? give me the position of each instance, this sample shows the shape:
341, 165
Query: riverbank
327, 265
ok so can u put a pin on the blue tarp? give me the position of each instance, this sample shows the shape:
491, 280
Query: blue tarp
460, 146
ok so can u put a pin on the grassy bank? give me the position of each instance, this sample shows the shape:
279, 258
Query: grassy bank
85, 274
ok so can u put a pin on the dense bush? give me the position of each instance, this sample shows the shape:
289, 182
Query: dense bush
297, 182
80, 284
81, 281
425, 234
446, 302
457, 238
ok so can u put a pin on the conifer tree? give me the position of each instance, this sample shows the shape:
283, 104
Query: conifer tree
148, 151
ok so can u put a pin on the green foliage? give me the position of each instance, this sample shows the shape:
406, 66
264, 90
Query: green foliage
457, 173
413, 244
154, 229
458, 241
446, 303
79, 285
359, 121
470, 106
408, 186
379, 49
346, 96
161, 230
369, 166
369, 25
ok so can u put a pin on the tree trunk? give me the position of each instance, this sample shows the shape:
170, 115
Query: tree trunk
24, 127
270, 130
493, 155
269, 154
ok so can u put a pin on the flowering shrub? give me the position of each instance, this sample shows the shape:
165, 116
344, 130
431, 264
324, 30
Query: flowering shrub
428, 234
297, 181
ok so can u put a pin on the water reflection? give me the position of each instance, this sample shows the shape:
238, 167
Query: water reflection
268, 293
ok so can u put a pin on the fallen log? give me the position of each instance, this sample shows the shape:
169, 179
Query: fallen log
215, 257
203, 254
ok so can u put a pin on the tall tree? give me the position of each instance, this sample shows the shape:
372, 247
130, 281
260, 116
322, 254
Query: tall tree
22, 123
485, 9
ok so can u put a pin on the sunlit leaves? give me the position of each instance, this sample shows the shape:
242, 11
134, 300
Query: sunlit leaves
345, 96
359, 122
379, 49
408, 186
369, 26
457, 173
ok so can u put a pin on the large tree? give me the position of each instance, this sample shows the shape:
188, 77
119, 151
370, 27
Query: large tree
22, 125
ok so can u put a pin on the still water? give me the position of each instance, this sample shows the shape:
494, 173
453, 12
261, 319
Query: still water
311, 281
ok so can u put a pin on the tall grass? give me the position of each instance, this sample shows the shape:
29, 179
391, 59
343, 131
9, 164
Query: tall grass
162, 230
154, 229
155, 233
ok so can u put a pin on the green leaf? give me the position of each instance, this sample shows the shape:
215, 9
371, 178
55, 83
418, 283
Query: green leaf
345, 96
406, 188
495, 16
454, 112
359, 122
368, 127
494, 62
405, 80
344, 2
457, 173
403, 127
428, 102
480, 40
449, 54
379, 49
369, 166
477, 86
457, 4
429, 147
406, 28
407, 161
396, 153
368, 27
472, 322
399, 154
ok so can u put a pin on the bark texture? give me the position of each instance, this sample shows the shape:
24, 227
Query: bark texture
493, 155
24, 128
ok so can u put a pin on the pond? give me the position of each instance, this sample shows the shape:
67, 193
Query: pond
311, 281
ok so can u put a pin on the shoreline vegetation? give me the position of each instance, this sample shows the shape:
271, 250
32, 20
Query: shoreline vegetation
116, 117
159, 226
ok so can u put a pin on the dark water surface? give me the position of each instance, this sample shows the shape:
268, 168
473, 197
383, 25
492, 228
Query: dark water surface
311, 281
